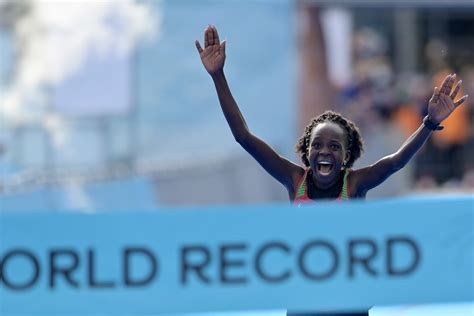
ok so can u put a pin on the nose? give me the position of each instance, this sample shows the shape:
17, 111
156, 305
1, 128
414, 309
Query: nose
324, 150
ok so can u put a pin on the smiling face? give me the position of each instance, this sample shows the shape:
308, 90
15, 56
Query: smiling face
327, 152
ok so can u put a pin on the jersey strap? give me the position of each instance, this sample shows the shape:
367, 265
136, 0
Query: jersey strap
301, 195
345, 194
302, 191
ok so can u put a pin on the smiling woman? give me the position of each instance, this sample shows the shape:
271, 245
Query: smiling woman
329, 146
330, 143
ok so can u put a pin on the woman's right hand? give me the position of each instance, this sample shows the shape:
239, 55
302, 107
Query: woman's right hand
213, 54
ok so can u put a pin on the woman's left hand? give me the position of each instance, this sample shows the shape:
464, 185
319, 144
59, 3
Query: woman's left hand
442, 103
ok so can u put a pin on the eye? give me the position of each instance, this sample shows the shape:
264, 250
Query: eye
335, 147
316, 145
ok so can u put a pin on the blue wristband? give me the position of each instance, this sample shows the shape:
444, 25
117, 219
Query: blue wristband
431, 125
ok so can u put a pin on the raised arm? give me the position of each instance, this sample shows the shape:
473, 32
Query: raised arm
213, 59
440, 106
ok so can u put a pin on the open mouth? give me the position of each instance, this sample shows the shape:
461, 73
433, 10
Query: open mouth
325, 167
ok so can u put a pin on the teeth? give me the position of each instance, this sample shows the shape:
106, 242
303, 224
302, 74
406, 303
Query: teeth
324, 163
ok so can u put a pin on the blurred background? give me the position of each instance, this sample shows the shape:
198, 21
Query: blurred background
105, 105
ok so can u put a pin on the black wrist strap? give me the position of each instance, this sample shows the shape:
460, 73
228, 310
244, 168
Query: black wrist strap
431, 125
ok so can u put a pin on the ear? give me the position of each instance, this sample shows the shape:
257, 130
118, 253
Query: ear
347, 157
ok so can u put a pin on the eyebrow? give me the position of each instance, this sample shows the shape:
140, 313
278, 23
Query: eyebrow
331, 140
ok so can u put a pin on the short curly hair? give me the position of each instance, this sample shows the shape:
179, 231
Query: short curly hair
354, 139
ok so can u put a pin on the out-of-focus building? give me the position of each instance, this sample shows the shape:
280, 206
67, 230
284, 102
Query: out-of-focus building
153, 113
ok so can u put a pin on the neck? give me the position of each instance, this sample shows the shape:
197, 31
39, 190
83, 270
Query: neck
324, 186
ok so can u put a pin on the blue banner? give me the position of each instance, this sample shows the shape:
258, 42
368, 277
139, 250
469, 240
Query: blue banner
330, 256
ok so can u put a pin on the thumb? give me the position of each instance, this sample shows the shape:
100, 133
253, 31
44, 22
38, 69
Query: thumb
198, 46
435, 96
222, 47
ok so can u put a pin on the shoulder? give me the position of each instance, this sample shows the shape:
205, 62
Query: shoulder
297, 174
355, 178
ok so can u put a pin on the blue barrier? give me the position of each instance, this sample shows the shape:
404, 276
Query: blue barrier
324, 257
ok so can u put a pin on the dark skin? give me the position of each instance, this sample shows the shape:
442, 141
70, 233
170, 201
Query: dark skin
328, 140
327, 144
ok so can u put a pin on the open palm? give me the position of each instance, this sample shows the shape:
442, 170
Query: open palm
442, 102
213, 54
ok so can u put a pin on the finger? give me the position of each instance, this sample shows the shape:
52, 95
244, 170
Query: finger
435, 96
456, 90
211, 36
198, 46
222, 47
444, 84
460, 101
207, 37
216, 36
449, 86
